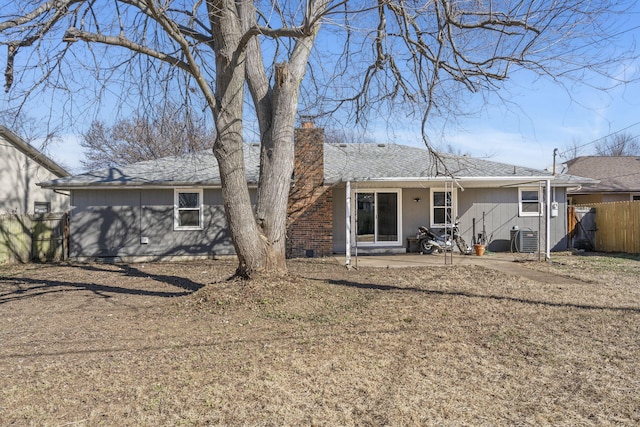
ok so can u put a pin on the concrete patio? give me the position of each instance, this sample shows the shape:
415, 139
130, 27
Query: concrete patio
506, 262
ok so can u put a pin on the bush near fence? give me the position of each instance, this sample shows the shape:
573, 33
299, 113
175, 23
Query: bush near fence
618, 227
25, 238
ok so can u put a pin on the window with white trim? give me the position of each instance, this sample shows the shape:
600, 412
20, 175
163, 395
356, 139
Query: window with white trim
635, 197
187, 210
442, 207
529, 201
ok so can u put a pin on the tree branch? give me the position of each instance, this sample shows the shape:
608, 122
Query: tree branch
185, 30
172, 29
58, 5
257, 80
126, 43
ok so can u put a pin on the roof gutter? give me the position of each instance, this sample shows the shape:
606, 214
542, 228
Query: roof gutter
456, 178
556, 181
154, 186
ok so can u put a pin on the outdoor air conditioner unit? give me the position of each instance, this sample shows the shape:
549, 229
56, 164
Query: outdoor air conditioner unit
525, 241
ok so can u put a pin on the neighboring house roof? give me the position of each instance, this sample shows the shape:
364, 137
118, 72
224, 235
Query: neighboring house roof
343, 162
615, 174
32, 152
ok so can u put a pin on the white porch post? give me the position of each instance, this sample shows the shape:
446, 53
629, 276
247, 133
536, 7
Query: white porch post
548, 221
348, 225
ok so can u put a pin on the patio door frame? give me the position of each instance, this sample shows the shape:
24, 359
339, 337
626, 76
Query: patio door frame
376, 219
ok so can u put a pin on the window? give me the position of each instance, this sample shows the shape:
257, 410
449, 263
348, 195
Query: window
41, 207
529, 203
188, 210
635, 197
442, 207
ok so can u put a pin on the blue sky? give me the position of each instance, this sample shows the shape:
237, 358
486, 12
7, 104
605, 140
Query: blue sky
545, 117
541, 116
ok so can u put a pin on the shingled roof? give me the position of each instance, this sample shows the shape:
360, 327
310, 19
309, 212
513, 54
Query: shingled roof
615, 174
197, 169
361, 162
343, 162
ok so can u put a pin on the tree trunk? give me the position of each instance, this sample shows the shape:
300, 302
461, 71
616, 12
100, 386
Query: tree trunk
276, 166
246, 236
260, 239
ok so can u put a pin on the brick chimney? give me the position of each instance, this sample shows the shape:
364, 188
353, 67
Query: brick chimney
308, 148
310, 213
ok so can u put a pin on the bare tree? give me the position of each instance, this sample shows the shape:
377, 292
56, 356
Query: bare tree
619, 144
173, 133
449, 148
345, 136
414, 57
572, 150
28, 128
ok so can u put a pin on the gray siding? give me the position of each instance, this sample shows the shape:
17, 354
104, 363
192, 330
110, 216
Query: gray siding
414, 214
113, 222
500, 206
339, 219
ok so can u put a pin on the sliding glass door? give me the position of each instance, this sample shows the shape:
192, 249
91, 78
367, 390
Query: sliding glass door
378, 217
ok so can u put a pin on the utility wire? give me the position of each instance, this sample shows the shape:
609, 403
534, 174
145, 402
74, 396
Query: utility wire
600, 139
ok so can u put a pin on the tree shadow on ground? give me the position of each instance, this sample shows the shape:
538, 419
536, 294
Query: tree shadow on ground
27, 287
378, 287
128, 270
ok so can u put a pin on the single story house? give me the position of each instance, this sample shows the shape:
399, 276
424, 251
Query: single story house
616, 179
21, 168
372, 197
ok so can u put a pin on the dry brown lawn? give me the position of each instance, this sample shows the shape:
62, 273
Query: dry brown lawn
177, 344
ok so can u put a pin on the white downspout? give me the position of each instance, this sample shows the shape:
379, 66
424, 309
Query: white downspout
548, 221
348, 225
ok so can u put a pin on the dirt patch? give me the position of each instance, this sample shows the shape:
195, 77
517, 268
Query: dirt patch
177, 344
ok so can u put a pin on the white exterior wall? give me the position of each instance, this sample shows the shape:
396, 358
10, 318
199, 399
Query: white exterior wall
19, 175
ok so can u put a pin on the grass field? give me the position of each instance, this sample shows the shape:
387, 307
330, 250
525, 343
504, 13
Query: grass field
177, 344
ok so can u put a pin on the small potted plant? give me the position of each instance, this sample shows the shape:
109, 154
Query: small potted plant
480, 245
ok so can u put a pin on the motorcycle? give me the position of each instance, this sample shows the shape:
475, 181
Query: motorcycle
430, 241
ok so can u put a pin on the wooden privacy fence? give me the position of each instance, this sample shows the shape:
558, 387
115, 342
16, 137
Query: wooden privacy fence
25, 238
617, 227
